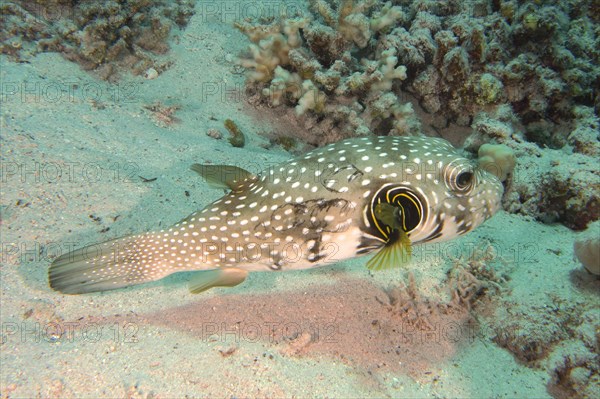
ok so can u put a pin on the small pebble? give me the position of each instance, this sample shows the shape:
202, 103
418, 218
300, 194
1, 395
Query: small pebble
227, 351
214, 133
151, 73
298, 344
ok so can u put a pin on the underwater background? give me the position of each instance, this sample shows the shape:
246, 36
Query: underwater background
106, 104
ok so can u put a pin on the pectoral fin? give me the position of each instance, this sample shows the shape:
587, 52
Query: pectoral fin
224, 176
225, 277
396, 253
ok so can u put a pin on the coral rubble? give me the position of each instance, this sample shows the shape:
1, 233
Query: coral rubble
560, 337
104, 36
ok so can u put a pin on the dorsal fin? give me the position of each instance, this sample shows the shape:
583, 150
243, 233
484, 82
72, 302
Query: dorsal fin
225, 176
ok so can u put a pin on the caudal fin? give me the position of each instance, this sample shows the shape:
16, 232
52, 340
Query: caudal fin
107, 266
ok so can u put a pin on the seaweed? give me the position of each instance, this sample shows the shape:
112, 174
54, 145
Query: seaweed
471, 283
237, 138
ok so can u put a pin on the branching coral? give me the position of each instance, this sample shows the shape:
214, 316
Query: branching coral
472, 278
271, 46
494, 56
471, 281
317, 67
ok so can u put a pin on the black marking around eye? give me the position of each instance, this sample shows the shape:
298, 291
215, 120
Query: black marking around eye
411, 211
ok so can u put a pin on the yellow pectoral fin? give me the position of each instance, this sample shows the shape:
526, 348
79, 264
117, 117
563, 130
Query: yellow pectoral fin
207, 279
395, 254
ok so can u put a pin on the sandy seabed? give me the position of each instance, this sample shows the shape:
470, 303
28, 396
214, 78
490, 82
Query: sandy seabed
84, 161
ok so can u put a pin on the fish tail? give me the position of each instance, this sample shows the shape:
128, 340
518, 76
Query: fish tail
110, 265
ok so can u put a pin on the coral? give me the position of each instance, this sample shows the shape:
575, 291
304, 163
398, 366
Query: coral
566, 192
522, 74
315, 66
386, 18
587, 248
311, 99
102, 36
497, 159
271, 46
455, 55
19, 28
552, 190
585, 138
550, 184
488, 90
283, 83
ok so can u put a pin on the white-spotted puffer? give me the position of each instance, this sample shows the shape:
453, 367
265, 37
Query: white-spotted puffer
344, 200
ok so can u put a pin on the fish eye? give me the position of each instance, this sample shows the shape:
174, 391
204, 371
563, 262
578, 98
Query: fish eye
464, 179
460, 177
